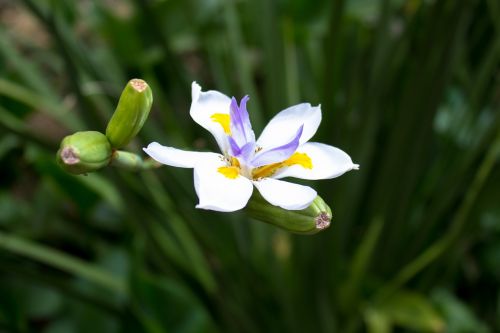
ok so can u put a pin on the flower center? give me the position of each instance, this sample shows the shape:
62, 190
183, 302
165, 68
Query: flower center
234, 169
242, 152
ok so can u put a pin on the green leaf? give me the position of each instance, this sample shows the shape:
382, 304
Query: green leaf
458, 316
376, 321
409, 310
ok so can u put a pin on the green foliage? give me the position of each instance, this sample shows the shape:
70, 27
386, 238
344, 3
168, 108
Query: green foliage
405, 309
408, 87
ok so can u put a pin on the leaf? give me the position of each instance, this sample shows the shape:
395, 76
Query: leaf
410, 310
458, 316
376, 322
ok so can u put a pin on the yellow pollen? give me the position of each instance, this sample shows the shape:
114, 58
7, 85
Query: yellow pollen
235, 162
230, 172
265, 170
223, 120
301, 159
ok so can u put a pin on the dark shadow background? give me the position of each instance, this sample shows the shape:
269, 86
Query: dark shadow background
410, 89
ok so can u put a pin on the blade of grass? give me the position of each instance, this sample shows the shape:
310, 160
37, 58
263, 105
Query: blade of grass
197, 262
62, 261
241, 62
17, 126
53, 22
266, 19
40, 103
291, 68
360, 264
29, 72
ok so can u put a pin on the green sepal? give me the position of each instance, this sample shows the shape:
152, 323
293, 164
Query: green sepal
130, 114
311, 220
84, 152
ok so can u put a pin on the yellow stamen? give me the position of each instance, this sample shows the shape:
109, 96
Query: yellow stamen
235, 162
301, 159
230, 172
265, 170
223, 120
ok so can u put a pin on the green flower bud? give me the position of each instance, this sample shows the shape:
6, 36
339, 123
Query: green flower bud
84, 152
130, 114
308, 221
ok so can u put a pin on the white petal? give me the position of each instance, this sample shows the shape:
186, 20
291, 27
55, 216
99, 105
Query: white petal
327, 162
175, 157
284, 194
203, 106
218, 192
282, 128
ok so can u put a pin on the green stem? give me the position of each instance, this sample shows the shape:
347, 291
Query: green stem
439, 247
61, 261
131, 161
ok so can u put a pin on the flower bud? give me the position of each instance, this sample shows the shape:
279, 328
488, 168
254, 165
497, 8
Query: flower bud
130, 114
308, 221
84, 152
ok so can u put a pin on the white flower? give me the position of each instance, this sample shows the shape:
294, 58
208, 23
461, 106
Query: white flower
224, 182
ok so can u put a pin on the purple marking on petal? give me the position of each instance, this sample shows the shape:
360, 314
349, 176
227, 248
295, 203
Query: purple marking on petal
244, 153
241, 128
247, 151
278, 154
235, 149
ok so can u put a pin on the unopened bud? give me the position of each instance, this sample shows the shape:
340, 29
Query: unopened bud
308, 221
84, 152
130, 114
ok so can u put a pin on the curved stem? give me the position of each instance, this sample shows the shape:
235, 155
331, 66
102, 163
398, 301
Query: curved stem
131, 161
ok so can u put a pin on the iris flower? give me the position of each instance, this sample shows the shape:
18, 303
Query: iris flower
224, 182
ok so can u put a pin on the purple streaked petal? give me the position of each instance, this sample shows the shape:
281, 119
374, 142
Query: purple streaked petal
278, 154
235, 149
241, 128
247, 151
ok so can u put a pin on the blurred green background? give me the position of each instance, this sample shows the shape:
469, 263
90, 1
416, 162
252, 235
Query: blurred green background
409, 88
